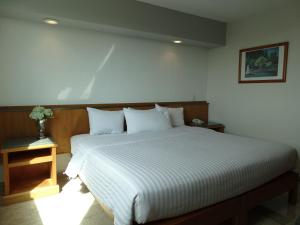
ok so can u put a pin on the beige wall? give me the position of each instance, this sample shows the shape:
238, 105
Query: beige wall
269, 111
42, 64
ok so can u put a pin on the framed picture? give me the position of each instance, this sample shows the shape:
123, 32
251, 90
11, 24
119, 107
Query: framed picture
263, 64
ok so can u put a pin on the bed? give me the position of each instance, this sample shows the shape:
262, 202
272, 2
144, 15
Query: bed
151, 176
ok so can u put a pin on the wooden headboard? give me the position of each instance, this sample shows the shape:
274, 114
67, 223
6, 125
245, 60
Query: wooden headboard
70, 120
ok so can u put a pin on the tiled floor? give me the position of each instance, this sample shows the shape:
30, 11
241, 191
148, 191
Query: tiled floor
76, 206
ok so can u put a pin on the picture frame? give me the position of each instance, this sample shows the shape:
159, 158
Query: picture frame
263, 64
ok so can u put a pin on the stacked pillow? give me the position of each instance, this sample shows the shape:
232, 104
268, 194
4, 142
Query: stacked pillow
175, 114
105, 122
112, 122
146, 120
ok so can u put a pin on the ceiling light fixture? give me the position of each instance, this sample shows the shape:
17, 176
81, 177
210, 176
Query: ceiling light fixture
177, 42
51, 21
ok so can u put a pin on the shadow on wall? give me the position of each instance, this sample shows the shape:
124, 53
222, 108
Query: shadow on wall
65, 93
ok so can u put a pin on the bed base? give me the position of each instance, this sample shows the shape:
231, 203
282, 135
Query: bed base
235, 211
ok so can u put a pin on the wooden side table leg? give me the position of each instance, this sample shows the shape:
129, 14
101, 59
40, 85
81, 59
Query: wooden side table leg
243, 218
53, 166
6, 174
293, 195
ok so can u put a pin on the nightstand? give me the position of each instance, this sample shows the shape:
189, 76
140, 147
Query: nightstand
213, 126
29, 167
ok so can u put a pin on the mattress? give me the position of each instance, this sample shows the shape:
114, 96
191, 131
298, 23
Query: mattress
154, 175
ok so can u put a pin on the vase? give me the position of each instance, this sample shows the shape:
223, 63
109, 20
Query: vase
41, 126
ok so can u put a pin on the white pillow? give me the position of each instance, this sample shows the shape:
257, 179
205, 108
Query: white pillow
175, 114
145, 120
105, 122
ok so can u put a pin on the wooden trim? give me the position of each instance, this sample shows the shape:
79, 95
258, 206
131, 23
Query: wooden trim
285, 60
28, 108
212, 215
27, 148
282, 184
6, 174
53, 174
265, 46
35, 160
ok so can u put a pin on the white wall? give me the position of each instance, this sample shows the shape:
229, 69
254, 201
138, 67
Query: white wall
269, 111
42, 64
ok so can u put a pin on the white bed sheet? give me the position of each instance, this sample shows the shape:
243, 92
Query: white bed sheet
154, 175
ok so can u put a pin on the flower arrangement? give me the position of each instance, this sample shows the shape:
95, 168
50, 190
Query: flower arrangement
41, 113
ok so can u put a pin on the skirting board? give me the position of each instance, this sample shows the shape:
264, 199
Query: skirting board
62, 161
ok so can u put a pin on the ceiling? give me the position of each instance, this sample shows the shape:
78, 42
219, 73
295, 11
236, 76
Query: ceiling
125, 17
222, 10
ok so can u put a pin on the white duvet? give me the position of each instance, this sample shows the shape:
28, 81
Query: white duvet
153, 175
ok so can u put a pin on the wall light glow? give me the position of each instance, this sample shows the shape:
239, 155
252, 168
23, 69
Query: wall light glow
51, 21
177, 41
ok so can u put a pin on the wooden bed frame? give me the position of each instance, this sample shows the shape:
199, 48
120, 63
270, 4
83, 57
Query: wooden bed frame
72, 119
235, 211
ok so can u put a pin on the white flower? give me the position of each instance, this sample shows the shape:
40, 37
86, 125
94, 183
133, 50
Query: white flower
40, 113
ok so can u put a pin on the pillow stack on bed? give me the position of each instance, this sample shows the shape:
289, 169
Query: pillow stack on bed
175, 115
105, 122
112, 122
146, 120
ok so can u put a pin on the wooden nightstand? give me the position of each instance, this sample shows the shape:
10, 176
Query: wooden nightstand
213, 126
29, 167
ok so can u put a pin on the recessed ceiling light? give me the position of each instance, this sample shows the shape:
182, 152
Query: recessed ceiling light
177, 42
51, 21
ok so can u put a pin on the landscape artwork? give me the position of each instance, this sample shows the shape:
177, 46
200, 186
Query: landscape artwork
263, 64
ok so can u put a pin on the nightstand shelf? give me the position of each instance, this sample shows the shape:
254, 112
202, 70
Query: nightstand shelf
29, 169
17, 159
27, 185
